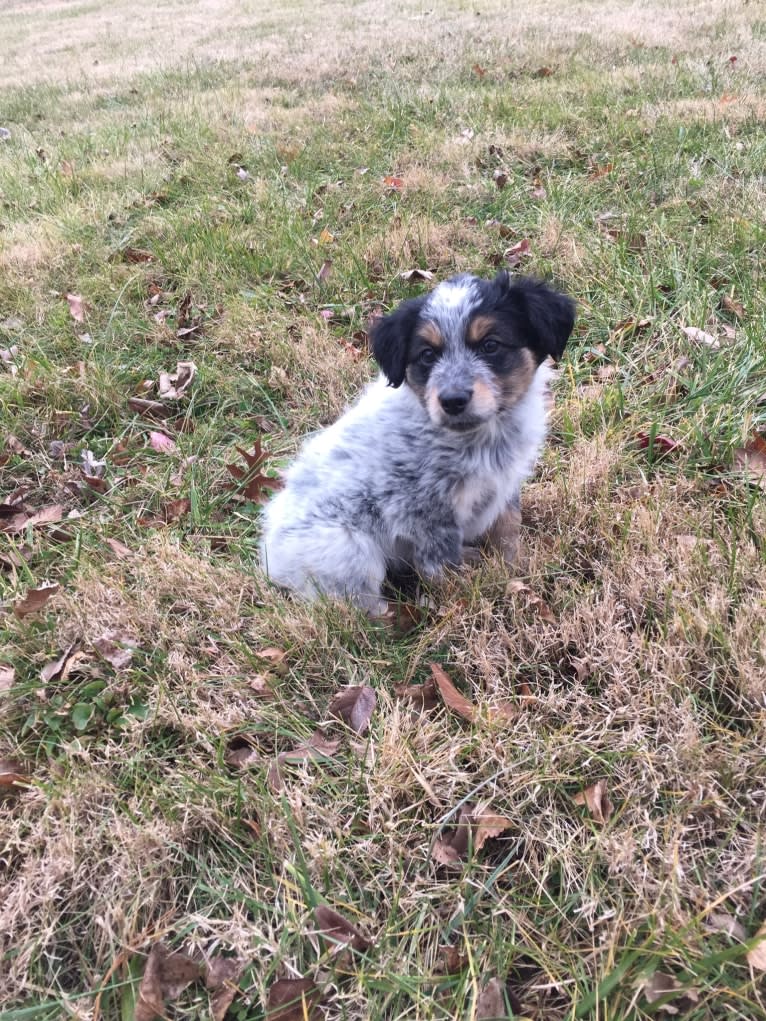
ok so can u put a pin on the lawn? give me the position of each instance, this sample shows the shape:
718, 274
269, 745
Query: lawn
201, 205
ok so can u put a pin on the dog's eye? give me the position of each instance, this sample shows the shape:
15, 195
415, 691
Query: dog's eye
427, 356
489, 346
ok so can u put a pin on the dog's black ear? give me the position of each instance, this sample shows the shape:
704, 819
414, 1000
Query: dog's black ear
391, 338
546, 317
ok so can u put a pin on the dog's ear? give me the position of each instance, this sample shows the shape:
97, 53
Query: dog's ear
545, 317
391, 338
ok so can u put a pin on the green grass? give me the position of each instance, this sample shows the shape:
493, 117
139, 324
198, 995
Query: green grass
134, 827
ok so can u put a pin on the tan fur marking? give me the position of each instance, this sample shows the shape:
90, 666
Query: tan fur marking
516, 384
430, 333
479, 327
484, 401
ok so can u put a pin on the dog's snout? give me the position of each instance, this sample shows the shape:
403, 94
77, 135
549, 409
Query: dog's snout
455, 401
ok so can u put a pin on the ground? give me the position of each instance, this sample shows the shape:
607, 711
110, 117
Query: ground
239, 186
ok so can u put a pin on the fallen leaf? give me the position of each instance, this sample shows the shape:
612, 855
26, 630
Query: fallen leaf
34, 600
411, 275
24, 519
147, 408
659, 985
165, 977
317, 747
731, 305
490, 1003
453, 699
91, 466
119, 548
276, 658
752, 460
58, 667
7, 677
474, 828
543, 72
394, 183
355, 706
452, 960
600, 171
251, 482
421, 695
658, 443
12, 776
701, 337
135, 255
76, 307
756, 956
486, 826
478, 70
292, 999
241, 754
500, 178
324, 271
221, 977
597, 801
162, 443
116, 649
514, 255
722, 921
174, 510
339, 930
173, 385
627, 328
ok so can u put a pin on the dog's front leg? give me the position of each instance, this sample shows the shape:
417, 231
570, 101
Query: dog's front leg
440, 547
503, 533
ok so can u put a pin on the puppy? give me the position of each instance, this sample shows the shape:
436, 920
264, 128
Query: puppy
433, 454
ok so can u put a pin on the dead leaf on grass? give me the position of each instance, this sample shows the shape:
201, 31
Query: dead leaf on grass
173, 385
136, 255
756, 956
61, 668
147, 408
162, 443
221, 977
534, 602
752, 460
658, 443
474, 828
241, 754
119, 548
34, 600
276, 658
722, 921
416, 275
732, 305
292, 999
251, 482
423, 696
166, 976
394, 183
453, 699
339, 930
597, 801
77, 307
7, 677
516, 253
355, 706
22, 520
658, 985
701, 337
317, 747
491, 1003
12, 776
115, 648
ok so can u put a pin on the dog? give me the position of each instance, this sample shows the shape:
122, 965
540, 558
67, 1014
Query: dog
432, 456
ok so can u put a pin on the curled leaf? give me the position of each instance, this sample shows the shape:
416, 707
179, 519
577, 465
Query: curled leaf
339, 930
756, 956
34, 600
597, 801
292, 999
355, 706
166, 975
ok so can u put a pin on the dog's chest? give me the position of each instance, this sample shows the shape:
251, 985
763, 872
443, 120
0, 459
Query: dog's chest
477, 501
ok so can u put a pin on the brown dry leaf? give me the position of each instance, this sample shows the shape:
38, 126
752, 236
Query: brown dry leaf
490, 1003
240, 754
162, 443
416, 275
119, 548
135, 255
12, 776
597, 801
752, 460
600, 171
292, 999
173, 385
658, 985
165, 977
275, 658
514, 255
34, 600
394, 183
251, 482
722, 921
324, 271
732, 305
627, 328
478, 70
534, 602
77, 307
355, 706
701, 336
756, 956
451, 848
221, 977
339, 930
317, 747
260, 684
115, 648
423, 696
487, 825
55, 669
452, 960
23, 520
147, 408
453, 699
326, 237
500, 178
7, 677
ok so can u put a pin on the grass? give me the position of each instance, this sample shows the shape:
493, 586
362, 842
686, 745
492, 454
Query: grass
634, 169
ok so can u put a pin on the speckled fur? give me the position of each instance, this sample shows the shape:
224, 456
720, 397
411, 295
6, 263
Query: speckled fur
398, 481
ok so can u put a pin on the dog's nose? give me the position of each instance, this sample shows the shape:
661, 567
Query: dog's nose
455, 401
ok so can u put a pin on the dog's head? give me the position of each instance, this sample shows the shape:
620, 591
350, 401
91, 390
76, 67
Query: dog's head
471, 347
